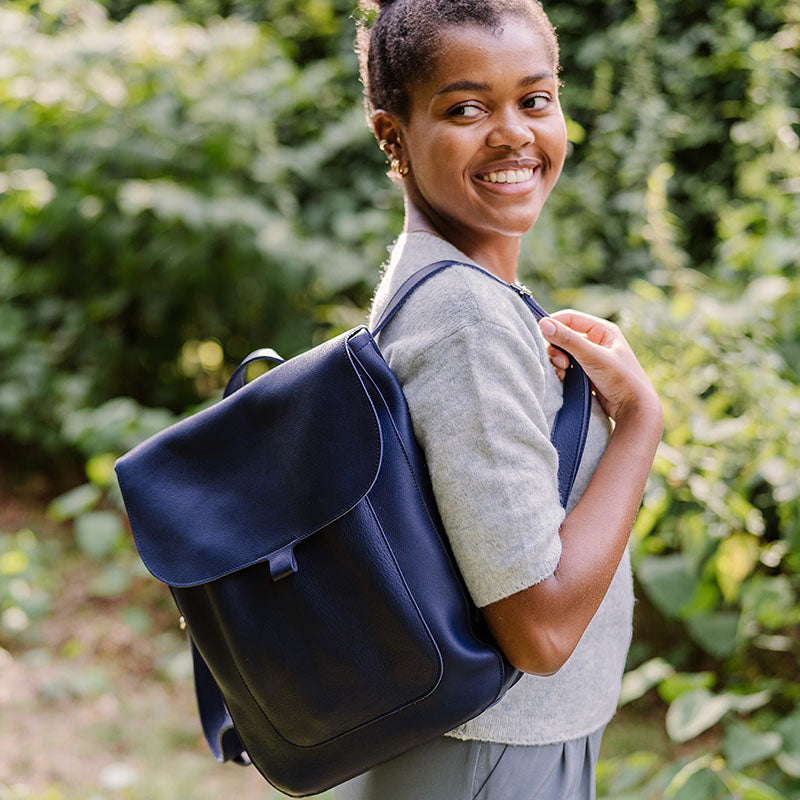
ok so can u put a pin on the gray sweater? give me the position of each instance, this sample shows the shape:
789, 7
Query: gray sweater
483, 397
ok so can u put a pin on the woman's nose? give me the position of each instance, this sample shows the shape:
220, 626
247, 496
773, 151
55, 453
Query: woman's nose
511, 132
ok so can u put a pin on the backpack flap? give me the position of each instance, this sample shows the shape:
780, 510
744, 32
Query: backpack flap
243, 481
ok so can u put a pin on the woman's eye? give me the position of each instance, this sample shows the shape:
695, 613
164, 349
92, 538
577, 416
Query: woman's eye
468, 111
538, 102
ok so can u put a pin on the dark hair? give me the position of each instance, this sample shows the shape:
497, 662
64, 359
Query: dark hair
396, 50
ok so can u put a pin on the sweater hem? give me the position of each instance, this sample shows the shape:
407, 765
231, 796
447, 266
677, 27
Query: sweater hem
530, 741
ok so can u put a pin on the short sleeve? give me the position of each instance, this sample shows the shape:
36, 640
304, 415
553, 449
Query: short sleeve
476, 404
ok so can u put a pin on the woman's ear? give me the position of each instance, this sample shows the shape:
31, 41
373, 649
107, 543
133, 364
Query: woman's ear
387, 132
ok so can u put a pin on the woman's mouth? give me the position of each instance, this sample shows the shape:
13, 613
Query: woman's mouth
507, 176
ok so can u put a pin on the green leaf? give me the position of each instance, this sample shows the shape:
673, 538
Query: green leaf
715, 632
111, 582
667, 581
770, 600
640, 680
789, 757
696, 781
74, 502
749, 789
736, 558
694, 712
98, 533
744, 746
100, 469
789, 763
748, 702
631, 771
675, 685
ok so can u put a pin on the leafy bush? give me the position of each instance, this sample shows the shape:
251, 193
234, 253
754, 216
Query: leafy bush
166, 187
165, 184
188, 182
716, 545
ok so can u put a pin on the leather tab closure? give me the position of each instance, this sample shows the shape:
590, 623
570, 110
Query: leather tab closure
282, 562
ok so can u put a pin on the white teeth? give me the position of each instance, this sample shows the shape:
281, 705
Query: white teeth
508, 176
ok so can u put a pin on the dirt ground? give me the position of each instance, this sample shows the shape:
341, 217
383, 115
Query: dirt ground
86, 717
97, 702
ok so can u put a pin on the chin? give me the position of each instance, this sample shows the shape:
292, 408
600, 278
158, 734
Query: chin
515, 226
511, 221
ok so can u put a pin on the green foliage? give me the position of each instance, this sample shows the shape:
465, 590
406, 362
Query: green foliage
715, 546
27, 581
166, 187
180, 183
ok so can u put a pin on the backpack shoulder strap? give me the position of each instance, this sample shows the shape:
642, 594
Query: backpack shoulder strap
572, 421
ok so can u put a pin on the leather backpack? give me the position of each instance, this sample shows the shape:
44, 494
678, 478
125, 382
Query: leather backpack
295, 526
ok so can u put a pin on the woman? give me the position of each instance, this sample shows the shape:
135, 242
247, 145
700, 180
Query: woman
463, 97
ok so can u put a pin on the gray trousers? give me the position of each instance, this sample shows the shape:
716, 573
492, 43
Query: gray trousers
450, 769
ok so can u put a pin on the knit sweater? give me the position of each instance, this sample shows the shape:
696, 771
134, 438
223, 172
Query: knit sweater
483, 397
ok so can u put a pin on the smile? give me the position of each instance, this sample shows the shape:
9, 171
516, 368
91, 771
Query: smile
507, 176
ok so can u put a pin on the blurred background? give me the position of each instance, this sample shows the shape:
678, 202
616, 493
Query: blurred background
183, 182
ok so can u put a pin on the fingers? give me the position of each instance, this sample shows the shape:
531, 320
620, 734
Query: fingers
576, 343
558, 360
620, 383
557, 357
596, 329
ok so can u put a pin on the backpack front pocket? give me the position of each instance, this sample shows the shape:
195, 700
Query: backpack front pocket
351, 630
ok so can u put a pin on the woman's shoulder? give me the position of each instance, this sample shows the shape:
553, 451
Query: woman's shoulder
462, 296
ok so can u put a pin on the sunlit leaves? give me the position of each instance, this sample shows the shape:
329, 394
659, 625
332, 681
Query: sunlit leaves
694, 712
638, 681
789, 757
74, 502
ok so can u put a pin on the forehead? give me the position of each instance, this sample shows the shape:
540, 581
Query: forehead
478, 54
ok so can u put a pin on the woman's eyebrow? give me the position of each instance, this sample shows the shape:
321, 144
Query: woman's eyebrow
539, 76
464, 86
474, 86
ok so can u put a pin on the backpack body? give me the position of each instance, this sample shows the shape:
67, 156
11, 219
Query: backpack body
296, 527
335, 647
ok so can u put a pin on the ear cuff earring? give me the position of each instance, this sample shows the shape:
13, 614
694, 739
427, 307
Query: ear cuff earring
396, 167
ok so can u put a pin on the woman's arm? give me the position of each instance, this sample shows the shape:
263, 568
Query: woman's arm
539, 627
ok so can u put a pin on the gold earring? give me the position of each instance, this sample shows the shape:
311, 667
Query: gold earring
401, 170
383, 144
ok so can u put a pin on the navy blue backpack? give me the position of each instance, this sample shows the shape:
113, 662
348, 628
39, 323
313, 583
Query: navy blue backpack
295, 525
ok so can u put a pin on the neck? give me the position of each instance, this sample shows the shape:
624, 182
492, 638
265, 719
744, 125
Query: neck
496, 253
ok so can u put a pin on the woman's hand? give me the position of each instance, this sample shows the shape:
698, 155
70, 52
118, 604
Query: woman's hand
620, 383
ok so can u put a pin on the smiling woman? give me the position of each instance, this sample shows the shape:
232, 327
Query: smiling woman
463, 98
487, 135
482, 119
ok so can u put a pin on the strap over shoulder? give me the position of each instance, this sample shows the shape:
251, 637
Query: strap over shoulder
571, 425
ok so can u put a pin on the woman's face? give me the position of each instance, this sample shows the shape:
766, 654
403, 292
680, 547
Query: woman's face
486, 138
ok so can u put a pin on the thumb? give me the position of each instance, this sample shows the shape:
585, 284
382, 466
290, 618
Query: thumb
561, 336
